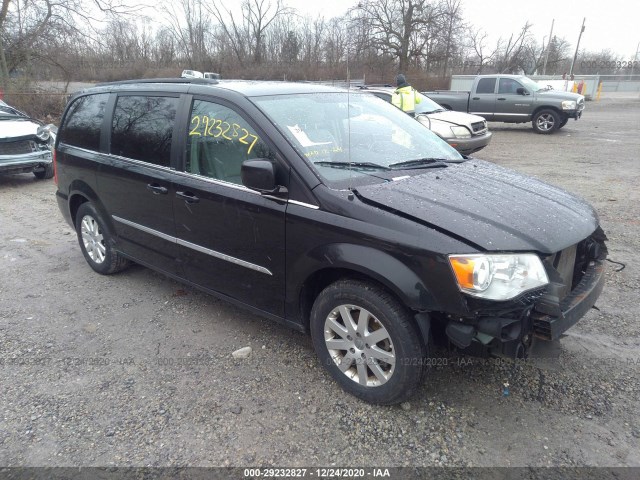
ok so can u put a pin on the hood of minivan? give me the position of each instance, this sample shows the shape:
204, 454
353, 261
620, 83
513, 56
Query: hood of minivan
488, 206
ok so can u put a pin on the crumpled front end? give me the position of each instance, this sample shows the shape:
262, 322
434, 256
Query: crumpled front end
24, 154
576, 280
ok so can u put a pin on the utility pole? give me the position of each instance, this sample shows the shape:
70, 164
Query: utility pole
633, 64
577, 47
546, 56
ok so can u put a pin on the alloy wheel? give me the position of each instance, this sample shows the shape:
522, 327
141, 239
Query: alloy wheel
359, 345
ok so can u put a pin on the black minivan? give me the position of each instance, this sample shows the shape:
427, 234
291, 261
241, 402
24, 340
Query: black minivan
330, 211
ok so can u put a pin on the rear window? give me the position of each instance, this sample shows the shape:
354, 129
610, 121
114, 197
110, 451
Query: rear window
142, 128
83, 122
486, 85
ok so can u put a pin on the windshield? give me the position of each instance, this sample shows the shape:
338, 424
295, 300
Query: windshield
352, 137
530, 84
427, 105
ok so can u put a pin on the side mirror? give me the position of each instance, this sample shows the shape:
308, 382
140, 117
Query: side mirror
522, 91
259, 175
424, 120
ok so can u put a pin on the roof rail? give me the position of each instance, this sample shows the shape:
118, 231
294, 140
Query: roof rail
378, 85
202, 81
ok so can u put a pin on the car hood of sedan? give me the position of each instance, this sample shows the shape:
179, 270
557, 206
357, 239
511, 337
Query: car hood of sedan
455, 118
17, 128
489, 207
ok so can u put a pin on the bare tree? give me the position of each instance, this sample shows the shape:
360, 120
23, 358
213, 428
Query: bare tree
257, 16
452, 25
481, 55
28, 28
393, 24
509, 59
189, 25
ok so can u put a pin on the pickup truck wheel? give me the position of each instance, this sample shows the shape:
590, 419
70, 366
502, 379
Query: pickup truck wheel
367, 341
563, 122
95, 242
546, 121
44, 174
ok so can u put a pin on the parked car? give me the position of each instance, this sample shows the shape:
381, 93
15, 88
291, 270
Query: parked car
212, 75
332, 212
514, 99
191, 74
464, 132
26, 144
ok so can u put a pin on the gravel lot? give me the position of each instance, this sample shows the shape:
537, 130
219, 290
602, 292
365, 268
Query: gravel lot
136, 369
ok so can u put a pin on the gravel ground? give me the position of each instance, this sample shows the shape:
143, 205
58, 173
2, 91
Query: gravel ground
136, 370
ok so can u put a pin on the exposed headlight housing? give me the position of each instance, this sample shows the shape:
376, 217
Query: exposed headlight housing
498, 277
43, 133
461, 132
569, 105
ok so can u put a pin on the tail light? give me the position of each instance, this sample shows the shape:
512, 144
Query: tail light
55, 167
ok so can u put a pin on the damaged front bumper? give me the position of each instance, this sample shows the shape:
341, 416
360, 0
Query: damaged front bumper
552, 317
577, 279
27, 162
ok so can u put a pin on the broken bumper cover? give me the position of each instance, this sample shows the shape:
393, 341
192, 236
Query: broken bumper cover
25, 162
552, 318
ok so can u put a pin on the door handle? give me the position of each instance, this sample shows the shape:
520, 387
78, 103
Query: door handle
475, 98
157, 189
501, 98
188, 197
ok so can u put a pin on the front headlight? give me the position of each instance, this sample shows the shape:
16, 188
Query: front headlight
498, 277
569, 105
461, 132
43, 133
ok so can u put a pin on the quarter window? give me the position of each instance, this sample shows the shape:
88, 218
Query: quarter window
142, 128
84, 121
219, 140
486, 85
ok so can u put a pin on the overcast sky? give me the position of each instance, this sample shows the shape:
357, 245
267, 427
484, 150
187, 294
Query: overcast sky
611, 24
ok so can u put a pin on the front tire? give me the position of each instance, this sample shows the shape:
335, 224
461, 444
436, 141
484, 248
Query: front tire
46, 173
563, 122
96, 242
546, 121
368, 342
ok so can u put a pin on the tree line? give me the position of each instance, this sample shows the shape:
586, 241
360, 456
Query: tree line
102, 40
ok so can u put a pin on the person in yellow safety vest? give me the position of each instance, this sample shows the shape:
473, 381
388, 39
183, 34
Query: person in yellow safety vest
405, 97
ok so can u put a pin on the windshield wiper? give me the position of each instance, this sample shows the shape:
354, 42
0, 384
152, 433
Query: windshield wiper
352, 165
420, 163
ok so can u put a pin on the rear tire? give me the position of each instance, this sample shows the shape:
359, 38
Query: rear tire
96, 242
368, 342
46, 173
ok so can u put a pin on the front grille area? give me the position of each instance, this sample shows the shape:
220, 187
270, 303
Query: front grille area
479, 127
18, 148
575, 281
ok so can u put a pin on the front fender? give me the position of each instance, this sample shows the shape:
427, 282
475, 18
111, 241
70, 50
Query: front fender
378, 265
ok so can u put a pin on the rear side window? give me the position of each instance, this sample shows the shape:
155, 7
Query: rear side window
486, 85
83, 122
142, 128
